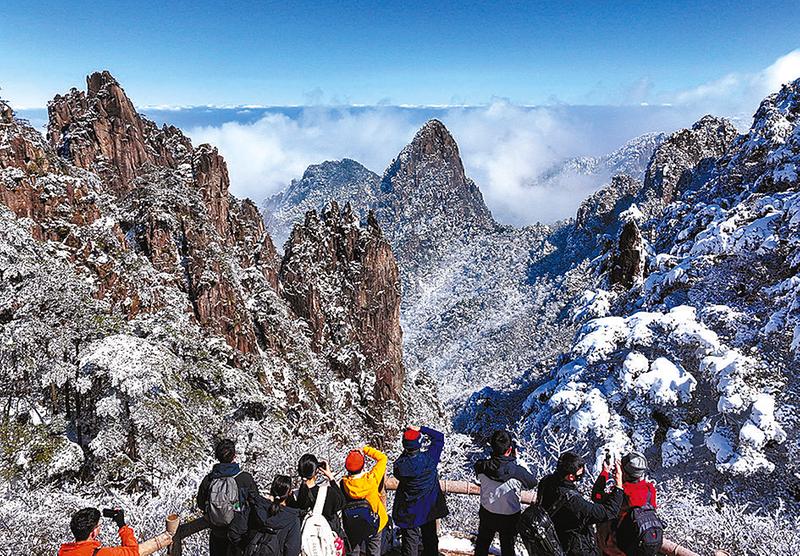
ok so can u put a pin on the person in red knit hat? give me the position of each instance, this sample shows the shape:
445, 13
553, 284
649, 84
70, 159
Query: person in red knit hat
364, 485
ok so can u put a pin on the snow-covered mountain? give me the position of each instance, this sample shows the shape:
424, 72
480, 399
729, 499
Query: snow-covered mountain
664, 318
482, 303
696, 363
630, 159
144, 314
345, 181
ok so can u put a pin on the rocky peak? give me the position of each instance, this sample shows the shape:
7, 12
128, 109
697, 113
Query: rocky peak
765, 157
101, 131
598, 218
341, 277
709, 138
210, 173
426, 197
344, 181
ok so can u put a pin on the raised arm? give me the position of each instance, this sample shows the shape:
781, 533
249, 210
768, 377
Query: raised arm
437, 442
378, 470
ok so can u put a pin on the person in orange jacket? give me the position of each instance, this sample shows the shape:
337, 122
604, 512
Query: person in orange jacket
85, 526
366, 485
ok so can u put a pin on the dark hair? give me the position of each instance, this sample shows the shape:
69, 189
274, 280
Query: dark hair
280, 489
569, 463
307, 466
500, 442
83, 522
225, 451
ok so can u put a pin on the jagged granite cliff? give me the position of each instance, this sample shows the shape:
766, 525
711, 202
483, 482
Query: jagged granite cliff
144, 310
481, 302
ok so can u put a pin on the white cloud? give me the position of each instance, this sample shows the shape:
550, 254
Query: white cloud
505, 148
737, 95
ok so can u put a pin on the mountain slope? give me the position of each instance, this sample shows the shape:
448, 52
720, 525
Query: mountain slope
696, 363
144, 311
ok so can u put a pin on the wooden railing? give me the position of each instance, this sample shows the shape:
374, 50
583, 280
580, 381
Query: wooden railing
175, 532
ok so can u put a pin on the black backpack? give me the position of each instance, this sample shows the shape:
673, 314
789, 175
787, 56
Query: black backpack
537, 531
264, 542
640, 531
360, 522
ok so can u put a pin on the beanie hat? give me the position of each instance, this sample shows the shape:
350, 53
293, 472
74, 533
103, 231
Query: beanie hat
412, 440
634, 465
354, 462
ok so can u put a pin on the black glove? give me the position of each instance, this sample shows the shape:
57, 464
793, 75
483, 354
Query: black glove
119, 518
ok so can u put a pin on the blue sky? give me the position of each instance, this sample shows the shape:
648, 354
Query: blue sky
371, 52
546, 80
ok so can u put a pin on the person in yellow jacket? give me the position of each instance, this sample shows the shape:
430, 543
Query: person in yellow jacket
365, 485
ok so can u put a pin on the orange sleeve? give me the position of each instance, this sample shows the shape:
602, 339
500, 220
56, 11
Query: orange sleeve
379, 469
130, 546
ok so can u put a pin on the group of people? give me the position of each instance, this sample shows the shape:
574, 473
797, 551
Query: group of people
354, 507
355, 516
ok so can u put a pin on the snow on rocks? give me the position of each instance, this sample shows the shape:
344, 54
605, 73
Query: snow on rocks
677, 447
623, 370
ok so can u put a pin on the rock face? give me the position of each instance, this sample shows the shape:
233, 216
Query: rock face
342, 278
426, 199
597, 222
101, 131
627, 263
51, 205
709, 138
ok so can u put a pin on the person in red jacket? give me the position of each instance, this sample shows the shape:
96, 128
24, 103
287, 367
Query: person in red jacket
638, 493
85, 526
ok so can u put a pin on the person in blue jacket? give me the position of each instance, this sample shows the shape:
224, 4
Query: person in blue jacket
502, 479
419, 500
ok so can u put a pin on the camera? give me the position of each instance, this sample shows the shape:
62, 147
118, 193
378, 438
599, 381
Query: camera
322, 464
110, 512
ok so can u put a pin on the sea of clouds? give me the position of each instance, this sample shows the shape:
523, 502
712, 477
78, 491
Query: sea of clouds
507, 149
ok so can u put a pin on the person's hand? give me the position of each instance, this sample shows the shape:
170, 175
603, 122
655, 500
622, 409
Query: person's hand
119, 518
607, 466
326, 470
618, 473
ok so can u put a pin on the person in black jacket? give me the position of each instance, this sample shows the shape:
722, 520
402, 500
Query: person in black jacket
268, 527
572, 514
502, 479
225, 452
309, 468
419, 500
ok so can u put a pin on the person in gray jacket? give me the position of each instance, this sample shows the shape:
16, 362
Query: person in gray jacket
502, 479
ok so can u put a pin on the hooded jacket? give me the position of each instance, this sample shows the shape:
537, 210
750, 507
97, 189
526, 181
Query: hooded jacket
502, 479
130, 547
254, 521
367, 484
243, 480
419, 498
573, 520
